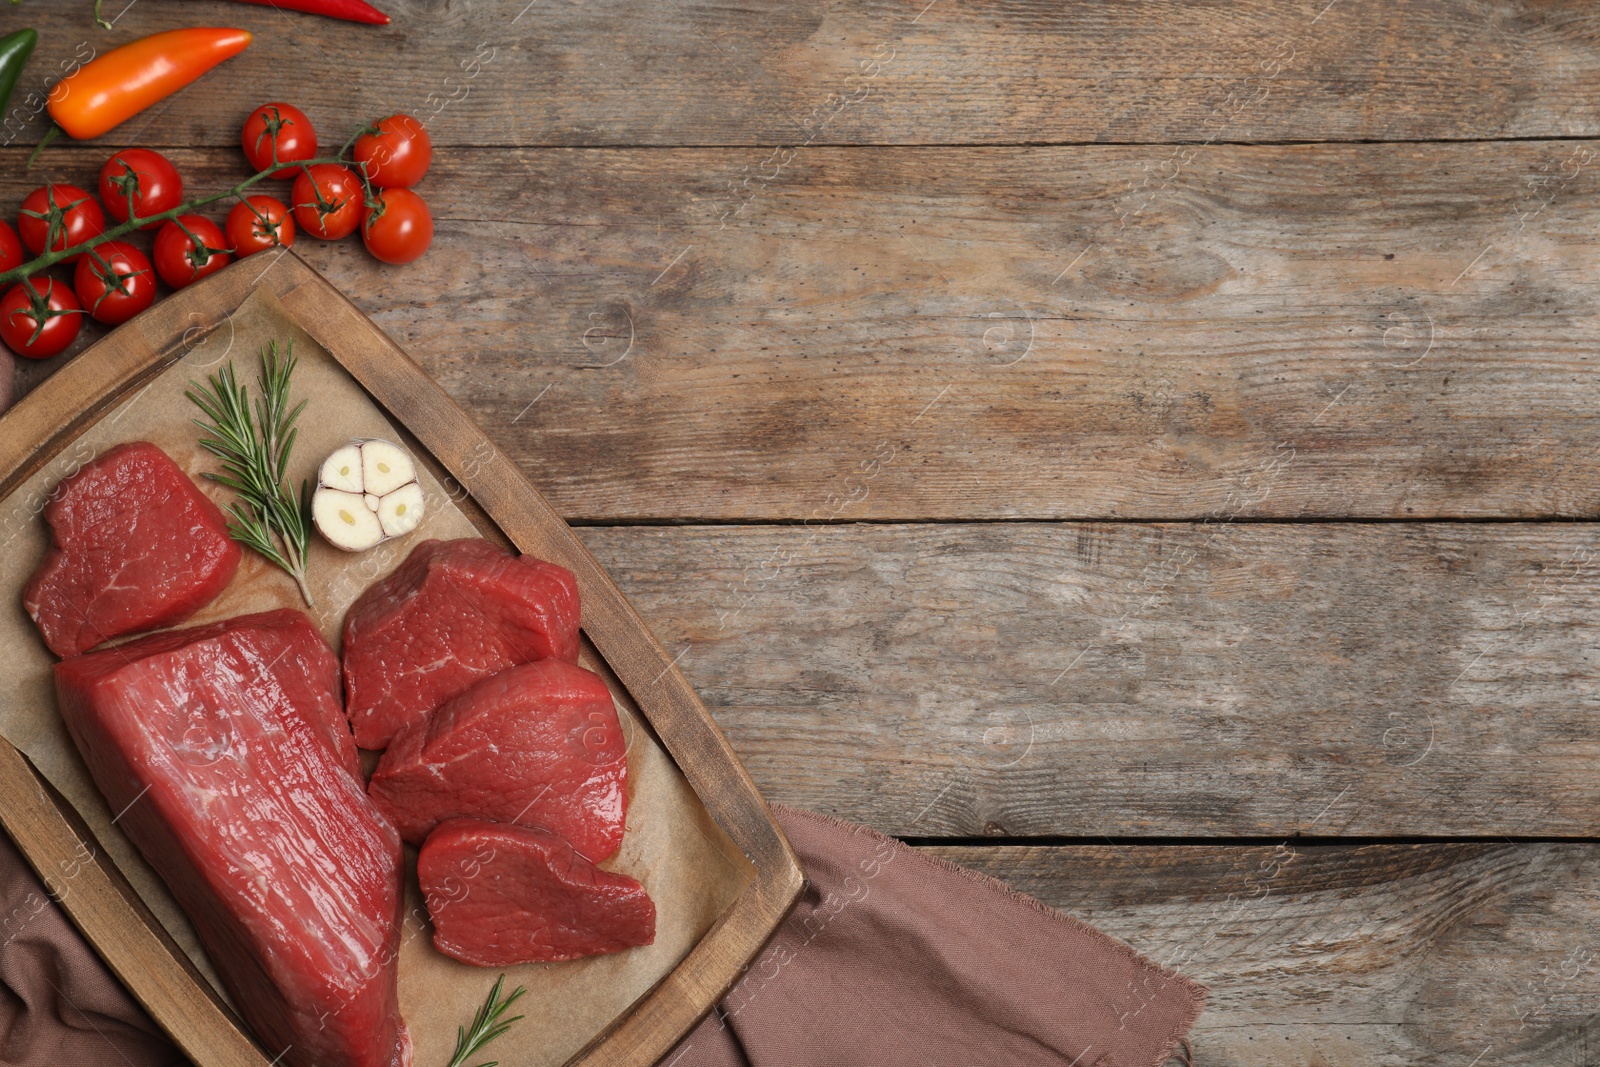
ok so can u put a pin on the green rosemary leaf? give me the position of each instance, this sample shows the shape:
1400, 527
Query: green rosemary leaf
288, 443
227, 483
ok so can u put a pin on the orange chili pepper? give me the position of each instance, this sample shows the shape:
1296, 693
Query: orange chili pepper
108, 91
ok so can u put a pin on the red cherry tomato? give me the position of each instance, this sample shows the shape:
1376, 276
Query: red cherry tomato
117, 286
178, 261
269, 225
327, 201
59, 216
39, 317
397, 156
149, 176
284, 126
399, 228
11, 253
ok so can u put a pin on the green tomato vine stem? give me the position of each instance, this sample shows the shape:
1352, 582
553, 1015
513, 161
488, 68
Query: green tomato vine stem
136, 222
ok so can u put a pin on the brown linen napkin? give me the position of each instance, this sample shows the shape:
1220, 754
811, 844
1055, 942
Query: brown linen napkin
893, 957
890, 958
59, 1006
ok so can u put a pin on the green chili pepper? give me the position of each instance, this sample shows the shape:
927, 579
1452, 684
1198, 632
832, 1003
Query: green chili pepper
15, 48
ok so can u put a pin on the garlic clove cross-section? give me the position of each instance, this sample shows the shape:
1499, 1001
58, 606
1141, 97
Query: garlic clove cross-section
342, 469
401, 511
367, 492
385, 468
345, 520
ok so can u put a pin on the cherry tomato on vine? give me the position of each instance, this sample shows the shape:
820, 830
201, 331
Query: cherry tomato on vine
269, 225
148, 175
397, 156
328, 201
117, 286
284, 126
11, 253
59, 216
39, 317
399, 227
178, 261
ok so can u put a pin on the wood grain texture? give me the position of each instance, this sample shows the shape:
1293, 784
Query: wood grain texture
1144, 680
1378, 956
820, 333
1388, 331
516, 72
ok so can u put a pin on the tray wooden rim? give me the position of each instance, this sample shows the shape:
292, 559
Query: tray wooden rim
98, 898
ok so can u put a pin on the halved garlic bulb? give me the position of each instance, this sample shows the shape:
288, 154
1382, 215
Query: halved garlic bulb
367, 492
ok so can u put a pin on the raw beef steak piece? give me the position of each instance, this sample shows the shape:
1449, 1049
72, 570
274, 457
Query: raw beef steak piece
134, 546
300, 674
500, 895
452, 614
538, 744
213, 747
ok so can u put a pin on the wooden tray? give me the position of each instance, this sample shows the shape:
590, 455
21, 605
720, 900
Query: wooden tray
102, 903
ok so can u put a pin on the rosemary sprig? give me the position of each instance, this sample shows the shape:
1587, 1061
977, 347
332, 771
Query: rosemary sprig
487, 1025
254, 449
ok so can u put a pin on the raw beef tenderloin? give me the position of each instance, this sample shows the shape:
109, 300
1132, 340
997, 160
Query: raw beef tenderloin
454, 613
215, 749
134, 546
501, 895
539, 744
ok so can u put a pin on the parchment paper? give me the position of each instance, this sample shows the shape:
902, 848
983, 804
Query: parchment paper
692, 871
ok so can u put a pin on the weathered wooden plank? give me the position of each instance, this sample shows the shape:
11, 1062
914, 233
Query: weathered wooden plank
908, 71
1398, 331
1381, 956
1162, 680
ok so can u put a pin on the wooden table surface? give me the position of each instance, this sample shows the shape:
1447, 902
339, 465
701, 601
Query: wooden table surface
1141, 451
